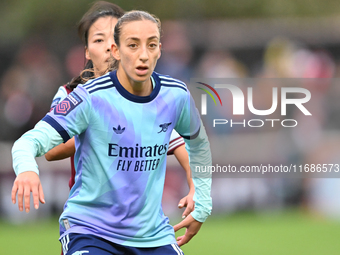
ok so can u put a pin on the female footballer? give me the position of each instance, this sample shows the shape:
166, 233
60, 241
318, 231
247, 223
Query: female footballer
96, 30
114, 207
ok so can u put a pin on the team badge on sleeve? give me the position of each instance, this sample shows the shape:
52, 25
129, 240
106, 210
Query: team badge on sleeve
68, 104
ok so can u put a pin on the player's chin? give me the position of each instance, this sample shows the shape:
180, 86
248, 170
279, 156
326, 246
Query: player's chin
142, 78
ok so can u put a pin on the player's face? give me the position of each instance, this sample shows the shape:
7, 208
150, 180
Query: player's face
139, 50
100, 39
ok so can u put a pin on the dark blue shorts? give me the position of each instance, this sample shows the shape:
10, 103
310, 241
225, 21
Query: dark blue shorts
79, 244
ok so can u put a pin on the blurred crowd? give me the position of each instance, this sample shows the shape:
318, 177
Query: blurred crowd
28, 85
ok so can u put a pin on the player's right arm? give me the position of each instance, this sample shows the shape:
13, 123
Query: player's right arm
64, 150
33, 143
69, 118
24, 184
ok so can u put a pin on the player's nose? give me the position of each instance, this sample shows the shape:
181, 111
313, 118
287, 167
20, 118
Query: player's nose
143, 56
109, 44
108, 47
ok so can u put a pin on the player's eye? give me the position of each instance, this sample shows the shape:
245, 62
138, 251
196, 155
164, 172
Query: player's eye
98, 40
132, 45
152, 45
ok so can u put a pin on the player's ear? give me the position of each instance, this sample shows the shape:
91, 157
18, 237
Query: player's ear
115, 51
87, 54
160, 50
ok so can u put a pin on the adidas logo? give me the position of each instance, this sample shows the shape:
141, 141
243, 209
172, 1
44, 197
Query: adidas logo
118, 130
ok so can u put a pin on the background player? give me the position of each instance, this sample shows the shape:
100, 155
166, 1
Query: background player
125, 210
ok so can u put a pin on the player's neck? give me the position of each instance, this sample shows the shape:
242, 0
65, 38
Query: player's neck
143, 88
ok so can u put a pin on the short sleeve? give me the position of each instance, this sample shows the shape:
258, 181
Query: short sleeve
175, 141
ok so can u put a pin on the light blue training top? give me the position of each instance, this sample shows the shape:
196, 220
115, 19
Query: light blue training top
121, 146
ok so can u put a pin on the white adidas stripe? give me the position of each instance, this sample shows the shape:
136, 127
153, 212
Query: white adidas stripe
174, 247
171, 79
68, 240
100, 79
174, 83
64, 241
63, 244
99, 86
177, 249
88, 85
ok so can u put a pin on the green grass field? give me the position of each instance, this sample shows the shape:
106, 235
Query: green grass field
291, 232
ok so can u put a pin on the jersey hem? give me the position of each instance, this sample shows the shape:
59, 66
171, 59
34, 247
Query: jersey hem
170, 239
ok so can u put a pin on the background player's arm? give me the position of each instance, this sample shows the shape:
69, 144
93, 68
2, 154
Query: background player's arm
188, 201
62, 151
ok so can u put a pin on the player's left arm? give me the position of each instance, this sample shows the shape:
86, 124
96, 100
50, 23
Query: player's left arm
191, 128
32, 144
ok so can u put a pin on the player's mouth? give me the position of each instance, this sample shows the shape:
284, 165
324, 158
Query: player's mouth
142, 70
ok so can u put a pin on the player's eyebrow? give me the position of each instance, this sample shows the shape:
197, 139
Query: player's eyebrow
98, 34
138, 39
152, 38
